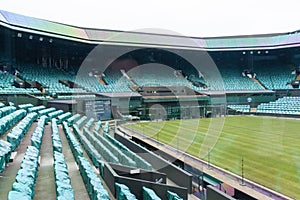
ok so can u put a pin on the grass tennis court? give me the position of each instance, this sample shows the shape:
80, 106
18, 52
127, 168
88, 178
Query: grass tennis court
269, 146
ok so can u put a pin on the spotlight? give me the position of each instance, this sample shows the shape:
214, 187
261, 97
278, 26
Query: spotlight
50, 40
30, 37
41, 39
19, 35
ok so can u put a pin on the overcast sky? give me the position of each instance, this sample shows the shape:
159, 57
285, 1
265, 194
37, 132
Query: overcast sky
201, 18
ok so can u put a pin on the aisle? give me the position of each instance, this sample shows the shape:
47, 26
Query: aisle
74, 174
45, 183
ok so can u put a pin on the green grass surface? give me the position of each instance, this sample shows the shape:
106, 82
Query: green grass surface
270, 147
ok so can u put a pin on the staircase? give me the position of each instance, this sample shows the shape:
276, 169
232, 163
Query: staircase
101, 81
135, 86
259, 83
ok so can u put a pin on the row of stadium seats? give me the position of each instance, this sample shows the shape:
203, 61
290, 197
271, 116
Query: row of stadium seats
49, 78
91, 150
63, 117
99, 141
98, 126
114, 82
89, 124
140, 162
11, 116
105, 148
157, 77
285, 105
6, 85
55, 114
92, 182
9, 120
64, 189
240, 108
149, 194
73, 143
18, 132
123, 192
45, 112
73, 119
76, 96
80, 123
23, 188
25, 106
36, 108
5, 152
2, 105
7, 110
233, 80
37, 136
274, 77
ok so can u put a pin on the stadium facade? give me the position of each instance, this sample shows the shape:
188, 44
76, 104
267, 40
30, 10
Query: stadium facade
107, 74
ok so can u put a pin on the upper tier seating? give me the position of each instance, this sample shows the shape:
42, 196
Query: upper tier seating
156, 76
49, 78
275, 77
114, 80
233, 80
6, 85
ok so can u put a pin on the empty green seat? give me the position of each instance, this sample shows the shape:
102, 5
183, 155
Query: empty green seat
149, 194
123, 192
173, 196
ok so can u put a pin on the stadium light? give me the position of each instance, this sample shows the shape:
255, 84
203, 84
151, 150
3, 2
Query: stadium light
41, 39
30, 37
19, 35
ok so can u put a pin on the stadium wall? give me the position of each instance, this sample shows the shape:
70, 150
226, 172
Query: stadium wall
174, 173
212, 194
149, 179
